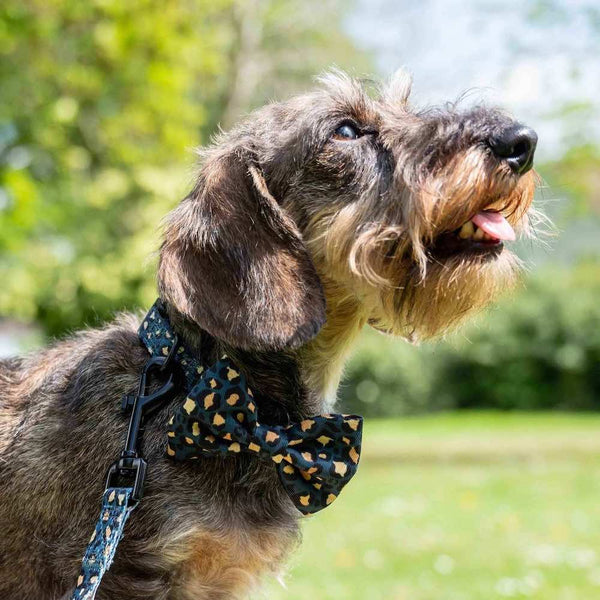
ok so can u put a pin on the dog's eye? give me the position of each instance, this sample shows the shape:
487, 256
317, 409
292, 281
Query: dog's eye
346, 132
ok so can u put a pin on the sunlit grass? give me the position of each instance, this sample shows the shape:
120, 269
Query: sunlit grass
461, 507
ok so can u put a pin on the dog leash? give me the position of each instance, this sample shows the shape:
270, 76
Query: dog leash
101, 549
119, 501
314, 458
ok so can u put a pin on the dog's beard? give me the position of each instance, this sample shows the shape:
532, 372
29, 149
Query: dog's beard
402, 298
428, 292
452, 290
437, 292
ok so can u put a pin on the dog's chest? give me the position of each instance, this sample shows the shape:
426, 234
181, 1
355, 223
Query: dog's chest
231, 564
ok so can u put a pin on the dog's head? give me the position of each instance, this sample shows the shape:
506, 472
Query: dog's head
404, 212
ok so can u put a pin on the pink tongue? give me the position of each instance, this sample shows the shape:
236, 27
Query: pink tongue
494, 224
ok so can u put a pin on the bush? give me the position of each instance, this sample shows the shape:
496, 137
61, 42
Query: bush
538, 350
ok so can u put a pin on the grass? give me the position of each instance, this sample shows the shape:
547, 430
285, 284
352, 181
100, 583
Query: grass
475, 506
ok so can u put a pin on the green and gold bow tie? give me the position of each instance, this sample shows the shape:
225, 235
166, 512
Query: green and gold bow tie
314, 458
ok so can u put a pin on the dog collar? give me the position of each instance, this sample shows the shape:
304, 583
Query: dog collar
314, 459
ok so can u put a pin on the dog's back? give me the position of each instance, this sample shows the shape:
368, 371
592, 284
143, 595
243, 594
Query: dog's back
10, 403
43, 397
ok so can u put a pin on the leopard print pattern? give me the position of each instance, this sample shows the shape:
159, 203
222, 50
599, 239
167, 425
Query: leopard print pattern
156, 334
102, 546
314, 458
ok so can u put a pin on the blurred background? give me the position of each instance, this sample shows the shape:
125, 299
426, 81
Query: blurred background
481, 470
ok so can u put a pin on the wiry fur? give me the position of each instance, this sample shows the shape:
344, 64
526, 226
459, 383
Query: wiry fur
290, 242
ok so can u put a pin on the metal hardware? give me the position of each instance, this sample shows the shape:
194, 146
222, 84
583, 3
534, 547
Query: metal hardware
131, 467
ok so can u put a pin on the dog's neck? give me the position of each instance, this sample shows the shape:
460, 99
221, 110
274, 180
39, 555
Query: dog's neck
289, 384
322, 360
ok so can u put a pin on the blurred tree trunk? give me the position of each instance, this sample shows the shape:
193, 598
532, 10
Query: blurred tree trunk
245, 64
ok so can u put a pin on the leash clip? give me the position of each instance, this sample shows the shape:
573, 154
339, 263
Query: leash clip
131, 469
131, 466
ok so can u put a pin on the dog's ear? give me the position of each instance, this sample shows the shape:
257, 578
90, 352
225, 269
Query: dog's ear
233, 262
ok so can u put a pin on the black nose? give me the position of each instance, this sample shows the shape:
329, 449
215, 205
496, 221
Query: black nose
516, 145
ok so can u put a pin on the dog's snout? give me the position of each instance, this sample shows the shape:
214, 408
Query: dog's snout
515, 145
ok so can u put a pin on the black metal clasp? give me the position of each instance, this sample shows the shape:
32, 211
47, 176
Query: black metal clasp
130, 468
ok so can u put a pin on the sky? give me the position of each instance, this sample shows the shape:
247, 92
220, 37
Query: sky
532, 57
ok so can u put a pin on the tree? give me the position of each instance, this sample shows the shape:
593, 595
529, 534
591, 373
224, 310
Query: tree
101, 102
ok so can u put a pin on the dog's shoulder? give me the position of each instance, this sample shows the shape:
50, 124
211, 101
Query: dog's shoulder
65, 373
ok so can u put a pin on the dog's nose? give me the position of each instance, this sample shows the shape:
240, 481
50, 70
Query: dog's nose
515, 145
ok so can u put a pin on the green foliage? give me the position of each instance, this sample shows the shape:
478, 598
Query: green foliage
96, 106
101, 102
578, 171
538, 350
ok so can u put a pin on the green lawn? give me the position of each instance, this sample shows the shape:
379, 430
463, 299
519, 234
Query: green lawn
460, 507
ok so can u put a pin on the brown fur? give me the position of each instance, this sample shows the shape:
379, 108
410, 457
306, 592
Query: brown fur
232, 564
292, 239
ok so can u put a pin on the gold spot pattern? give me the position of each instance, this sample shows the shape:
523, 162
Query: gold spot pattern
353, 424
232, 399
209, 401
340, 467
189, 405
306, 424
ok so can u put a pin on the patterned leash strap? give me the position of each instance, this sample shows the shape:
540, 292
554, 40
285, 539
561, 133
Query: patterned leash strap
121, 498
116, 508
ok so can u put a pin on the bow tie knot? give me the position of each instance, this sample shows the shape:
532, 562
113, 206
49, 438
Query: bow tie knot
315, 458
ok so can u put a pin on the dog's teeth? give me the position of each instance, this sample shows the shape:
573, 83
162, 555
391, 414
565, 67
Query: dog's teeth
466, 231
478, 235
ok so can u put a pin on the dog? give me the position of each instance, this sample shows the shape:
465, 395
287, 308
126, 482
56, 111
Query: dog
315, 217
